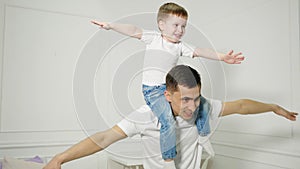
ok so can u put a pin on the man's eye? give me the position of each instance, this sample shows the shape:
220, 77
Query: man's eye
186, 100
197, 100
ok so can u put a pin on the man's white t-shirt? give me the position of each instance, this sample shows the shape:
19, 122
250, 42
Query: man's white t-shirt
189, 151
161, 56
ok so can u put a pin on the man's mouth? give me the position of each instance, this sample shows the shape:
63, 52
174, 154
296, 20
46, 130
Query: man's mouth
188, 113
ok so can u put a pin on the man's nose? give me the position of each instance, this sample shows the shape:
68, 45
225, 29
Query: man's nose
193, 105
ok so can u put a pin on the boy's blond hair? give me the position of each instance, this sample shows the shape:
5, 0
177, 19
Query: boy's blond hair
171, 9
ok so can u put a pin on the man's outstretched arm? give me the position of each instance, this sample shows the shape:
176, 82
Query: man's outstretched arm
88, 146
246, 106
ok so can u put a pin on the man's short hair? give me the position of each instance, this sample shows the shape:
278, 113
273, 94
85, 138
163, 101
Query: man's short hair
182, 75
171, 9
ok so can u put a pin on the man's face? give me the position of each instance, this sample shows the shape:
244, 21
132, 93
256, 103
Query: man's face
173, 28
184, 101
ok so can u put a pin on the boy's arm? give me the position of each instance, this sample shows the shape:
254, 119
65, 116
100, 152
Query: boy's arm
246, 106
88, 146
230, 57
125, 29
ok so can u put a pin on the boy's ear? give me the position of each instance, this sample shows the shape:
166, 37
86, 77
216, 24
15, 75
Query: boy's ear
161, 24
168, 95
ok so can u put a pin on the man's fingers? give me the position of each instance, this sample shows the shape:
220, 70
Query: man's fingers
292, 116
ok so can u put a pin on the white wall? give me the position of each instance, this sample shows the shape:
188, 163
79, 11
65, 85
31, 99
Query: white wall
52, 57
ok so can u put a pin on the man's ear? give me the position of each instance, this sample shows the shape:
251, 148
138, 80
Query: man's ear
168, 95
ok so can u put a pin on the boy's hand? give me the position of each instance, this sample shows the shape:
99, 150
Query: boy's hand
233, 58
103, 25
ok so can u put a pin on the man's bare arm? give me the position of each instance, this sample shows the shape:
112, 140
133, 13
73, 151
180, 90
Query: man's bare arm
88, 146
246, 106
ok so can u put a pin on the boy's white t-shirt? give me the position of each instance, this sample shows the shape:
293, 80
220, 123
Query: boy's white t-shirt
189, 150
161, 56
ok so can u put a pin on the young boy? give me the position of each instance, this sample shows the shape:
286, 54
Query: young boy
162, 51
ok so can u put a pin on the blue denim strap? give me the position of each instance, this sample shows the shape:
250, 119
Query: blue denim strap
202, 120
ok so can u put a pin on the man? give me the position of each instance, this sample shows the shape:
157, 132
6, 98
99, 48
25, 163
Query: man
183, 93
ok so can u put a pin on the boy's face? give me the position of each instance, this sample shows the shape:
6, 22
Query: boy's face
172, 28
184, 101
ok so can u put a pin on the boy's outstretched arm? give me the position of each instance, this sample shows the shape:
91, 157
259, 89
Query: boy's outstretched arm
125, 29
88, 146
246, 106
230, 57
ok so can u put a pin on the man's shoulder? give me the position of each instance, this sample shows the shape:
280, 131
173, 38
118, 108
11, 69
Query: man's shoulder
215, 102
138, 121
141, 111
216, 107
141, 115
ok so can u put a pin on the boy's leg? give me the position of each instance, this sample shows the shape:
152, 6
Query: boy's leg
154, 96
202, 120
